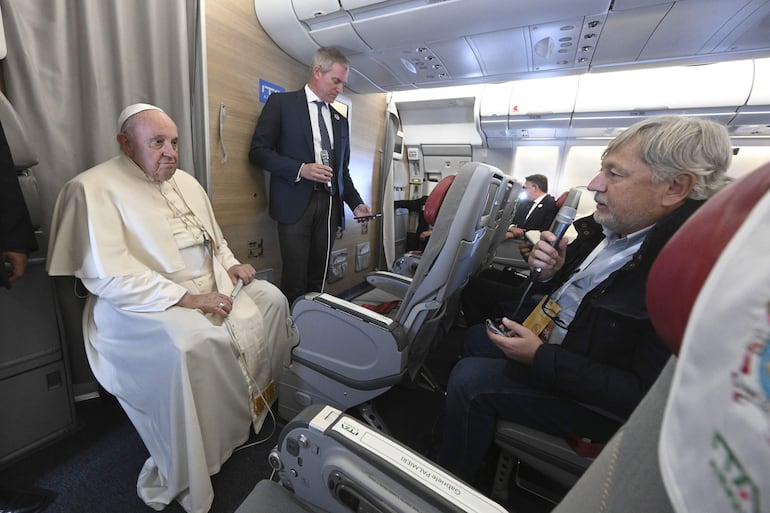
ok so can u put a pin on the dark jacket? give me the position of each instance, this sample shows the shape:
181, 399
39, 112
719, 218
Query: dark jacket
611, 353
541, 217
283, 141
16, 231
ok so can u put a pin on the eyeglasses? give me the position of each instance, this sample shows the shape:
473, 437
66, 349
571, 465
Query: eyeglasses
551, 314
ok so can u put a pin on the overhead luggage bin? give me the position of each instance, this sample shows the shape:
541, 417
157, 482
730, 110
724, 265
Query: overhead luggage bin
677, 87
713, 90
752, 118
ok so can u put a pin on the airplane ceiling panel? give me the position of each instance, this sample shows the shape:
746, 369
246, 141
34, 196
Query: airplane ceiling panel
624, 35
418, 21
355, 4
502, 52
455, 58
748, 30
678, 36
365, 69
307, 9
340, 35
476, 41
283, 27
407, 65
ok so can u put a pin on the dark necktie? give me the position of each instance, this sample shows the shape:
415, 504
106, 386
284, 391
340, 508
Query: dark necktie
326, 143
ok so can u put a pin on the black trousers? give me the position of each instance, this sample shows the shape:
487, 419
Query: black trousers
306, 245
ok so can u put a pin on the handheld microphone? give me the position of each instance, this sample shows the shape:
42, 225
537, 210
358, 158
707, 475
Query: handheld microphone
325, 161
564, 218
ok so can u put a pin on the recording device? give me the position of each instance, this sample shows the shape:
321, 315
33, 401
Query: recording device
326, 162
564, 218
497, 327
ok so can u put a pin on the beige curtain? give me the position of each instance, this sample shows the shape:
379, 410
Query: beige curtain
72, 65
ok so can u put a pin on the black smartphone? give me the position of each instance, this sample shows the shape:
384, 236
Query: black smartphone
366, 218
497, 327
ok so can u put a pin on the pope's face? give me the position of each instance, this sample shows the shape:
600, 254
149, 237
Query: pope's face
152, 143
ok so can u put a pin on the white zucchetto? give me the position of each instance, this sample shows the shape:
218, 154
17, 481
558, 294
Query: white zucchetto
136, 108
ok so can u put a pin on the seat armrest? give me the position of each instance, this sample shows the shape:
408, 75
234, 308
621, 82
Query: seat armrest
508, 254
353, 309
391, 283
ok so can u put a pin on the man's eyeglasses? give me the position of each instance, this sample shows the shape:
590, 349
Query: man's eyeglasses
551, 314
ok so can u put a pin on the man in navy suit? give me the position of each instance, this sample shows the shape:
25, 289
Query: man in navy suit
537, 212
307, 189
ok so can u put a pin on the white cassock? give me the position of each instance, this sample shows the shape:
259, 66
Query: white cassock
190, 383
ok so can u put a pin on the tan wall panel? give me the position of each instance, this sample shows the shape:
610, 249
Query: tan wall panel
239, 53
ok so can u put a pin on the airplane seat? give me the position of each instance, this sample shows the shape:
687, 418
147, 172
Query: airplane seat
561, 460
406, 264
347, 354
561, 199
329, 462
495, 225
711, 305
436, 199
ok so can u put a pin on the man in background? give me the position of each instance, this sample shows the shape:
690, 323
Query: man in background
537, 212
17, 236
304, 143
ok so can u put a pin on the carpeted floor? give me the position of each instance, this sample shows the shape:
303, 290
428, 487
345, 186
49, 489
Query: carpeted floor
94, 468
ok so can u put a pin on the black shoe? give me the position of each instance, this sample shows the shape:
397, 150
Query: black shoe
24, 500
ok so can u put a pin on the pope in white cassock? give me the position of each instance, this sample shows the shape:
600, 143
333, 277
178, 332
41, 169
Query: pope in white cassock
192, 367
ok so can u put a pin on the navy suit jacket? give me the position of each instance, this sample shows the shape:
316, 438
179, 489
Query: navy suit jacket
283, 141
16, 231
540, 219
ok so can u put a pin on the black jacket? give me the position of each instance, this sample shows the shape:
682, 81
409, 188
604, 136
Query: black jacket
16, 231
541, 217
611, 353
